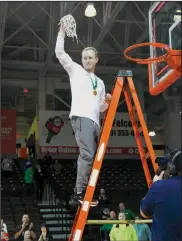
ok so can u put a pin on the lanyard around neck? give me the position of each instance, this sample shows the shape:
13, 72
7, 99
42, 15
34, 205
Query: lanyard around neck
94, 82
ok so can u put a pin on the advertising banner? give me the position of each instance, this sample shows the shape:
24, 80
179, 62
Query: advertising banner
56, 135
8, 131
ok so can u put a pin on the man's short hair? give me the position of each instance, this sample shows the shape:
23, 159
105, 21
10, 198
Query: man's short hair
91, 48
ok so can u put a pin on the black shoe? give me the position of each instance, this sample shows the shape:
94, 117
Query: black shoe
77, 200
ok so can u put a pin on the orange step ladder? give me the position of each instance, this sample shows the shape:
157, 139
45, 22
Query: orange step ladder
124, 82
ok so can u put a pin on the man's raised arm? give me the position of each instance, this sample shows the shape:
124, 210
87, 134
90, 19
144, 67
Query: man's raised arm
62, 56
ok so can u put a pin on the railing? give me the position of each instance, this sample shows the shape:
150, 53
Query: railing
99, 222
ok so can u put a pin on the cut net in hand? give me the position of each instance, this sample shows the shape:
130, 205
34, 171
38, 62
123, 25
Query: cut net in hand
68, 23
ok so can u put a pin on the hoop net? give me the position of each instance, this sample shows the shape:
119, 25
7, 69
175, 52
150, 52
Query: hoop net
68, 23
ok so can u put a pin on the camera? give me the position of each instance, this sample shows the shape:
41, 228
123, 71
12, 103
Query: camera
168, 163
162, 162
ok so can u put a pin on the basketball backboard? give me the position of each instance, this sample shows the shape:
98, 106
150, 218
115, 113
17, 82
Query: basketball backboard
164, 27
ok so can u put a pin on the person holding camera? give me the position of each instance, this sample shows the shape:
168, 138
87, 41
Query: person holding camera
163, 200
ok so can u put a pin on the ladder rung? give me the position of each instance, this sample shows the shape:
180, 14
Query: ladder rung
147, 155
140, 130
134, 108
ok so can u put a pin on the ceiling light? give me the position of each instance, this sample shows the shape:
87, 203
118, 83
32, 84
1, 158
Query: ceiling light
90, 11
177, 15
152, 133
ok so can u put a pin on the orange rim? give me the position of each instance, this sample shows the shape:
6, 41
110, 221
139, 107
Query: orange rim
149, 60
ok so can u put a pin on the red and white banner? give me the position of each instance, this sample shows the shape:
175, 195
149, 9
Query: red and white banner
56, 135
8, 131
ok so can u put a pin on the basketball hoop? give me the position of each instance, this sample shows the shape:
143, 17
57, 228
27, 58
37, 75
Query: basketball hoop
149, 60
172, 57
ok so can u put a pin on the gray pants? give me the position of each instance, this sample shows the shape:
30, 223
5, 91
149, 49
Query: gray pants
87, 135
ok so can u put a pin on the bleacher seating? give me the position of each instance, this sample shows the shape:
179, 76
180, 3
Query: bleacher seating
14, 203
115, 176
7, 215
13, 185
123, 180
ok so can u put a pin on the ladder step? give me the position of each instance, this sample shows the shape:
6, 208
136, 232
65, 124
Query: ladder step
134, 108
139, 130
147, 155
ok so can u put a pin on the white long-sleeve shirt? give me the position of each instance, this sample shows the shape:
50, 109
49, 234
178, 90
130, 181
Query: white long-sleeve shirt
4, 228
84, 102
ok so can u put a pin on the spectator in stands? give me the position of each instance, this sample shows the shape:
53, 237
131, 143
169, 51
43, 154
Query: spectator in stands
29, 180
39, 181
106, 228
4, 231
45, 236
106, 213
163, 201
47, 160
27, 236
27, 162
123, 231
7, 166
143, 230
128, 213
46, 165
26, 225
102, 197
3, 226
57, 167
112, 215
31, 144
4, 236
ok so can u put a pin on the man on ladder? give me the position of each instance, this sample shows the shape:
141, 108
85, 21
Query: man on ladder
88, 100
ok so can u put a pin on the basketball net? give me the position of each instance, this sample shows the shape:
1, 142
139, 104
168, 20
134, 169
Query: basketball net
68, 23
